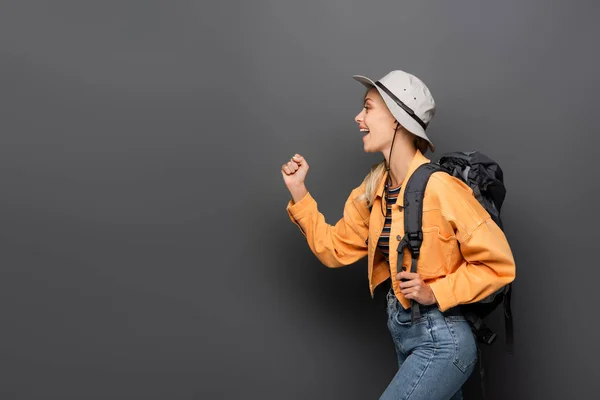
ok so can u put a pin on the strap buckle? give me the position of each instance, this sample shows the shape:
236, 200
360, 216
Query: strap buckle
485, 335
415, 239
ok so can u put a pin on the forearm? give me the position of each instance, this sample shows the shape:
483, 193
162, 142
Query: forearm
298, 192
334, 245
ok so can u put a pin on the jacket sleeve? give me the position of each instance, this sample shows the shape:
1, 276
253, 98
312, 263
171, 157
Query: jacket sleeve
334, 245
488, 262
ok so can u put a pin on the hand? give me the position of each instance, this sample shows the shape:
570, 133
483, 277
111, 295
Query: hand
415, 288
294, 173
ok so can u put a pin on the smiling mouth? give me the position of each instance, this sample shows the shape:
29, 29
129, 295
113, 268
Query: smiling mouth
365, 133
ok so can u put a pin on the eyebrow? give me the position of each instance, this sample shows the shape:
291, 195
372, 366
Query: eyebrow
368, 99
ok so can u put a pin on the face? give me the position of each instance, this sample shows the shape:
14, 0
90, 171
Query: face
376, 123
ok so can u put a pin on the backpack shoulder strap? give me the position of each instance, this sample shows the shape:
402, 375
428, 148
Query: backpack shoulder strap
413, 208
413, 219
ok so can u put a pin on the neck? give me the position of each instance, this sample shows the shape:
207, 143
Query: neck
401, 159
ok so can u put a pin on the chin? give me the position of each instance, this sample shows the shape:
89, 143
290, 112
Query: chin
369, 149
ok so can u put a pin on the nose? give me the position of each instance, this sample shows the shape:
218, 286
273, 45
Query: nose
359, 116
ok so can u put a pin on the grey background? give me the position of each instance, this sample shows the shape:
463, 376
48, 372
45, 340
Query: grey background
145, 250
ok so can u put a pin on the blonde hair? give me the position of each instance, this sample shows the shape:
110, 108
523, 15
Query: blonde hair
377, 172
371, 182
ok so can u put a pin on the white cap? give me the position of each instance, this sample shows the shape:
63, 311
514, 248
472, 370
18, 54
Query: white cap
413, 105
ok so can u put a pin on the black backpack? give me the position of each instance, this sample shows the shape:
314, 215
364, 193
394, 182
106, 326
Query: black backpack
485, 178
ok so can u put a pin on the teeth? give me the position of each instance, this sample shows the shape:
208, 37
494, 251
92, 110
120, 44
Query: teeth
364, 130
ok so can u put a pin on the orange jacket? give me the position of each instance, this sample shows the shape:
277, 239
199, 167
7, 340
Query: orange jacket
464, 255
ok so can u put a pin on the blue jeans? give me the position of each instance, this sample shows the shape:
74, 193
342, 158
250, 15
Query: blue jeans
436, 355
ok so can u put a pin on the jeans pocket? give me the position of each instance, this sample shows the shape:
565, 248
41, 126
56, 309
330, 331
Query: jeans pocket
465, 347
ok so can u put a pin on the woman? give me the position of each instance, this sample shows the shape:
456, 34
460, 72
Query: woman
464, 255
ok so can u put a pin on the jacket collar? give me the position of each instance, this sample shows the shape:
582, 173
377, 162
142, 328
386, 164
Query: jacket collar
418, 159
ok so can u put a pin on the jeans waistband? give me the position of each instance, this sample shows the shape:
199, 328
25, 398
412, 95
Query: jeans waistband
451, 312
454, 311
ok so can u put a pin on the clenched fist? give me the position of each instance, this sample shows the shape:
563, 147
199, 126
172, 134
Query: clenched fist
294, 173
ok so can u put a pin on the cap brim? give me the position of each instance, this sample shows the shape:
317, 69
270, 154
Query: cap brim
365, 81
402, 116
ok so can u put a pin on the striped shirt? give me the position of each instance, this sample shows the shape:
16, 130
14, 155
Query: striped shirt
391, 194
